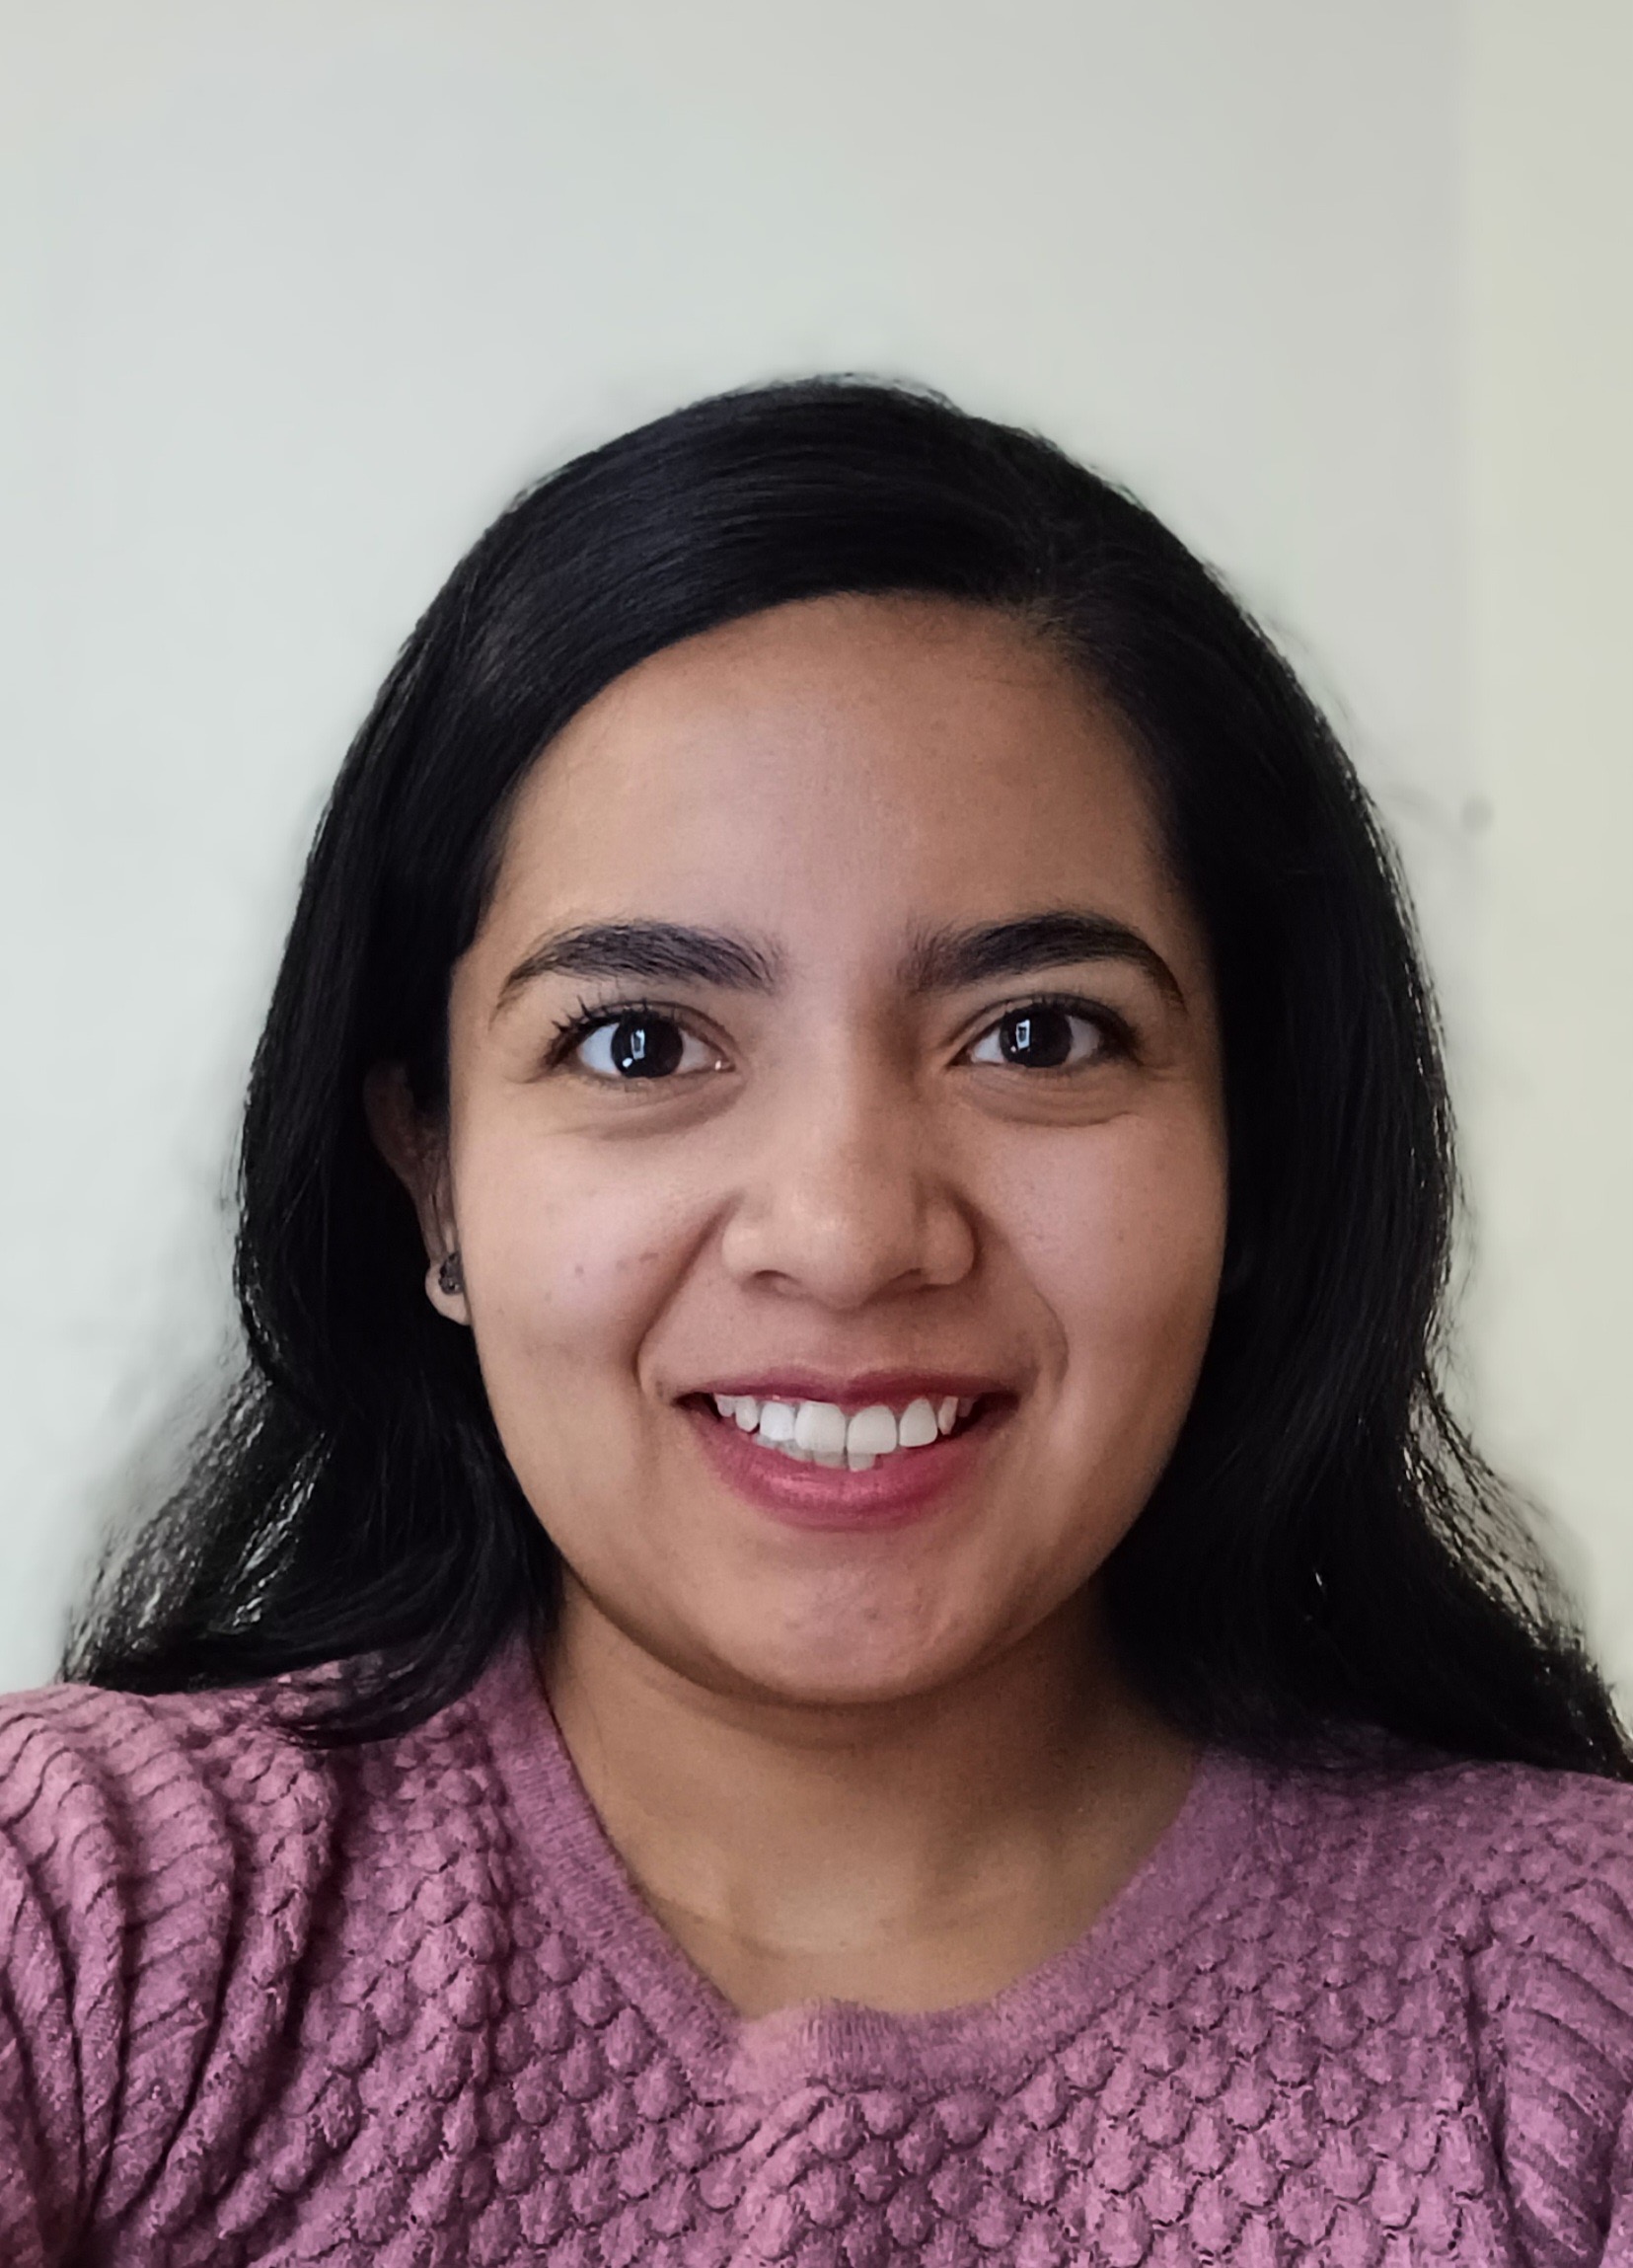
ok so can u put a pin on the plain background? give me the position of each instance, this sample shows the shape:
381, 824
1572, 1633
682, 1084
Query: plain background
296, 292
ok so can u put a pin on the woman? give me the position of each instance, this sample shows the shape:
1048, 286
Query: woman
838, 1621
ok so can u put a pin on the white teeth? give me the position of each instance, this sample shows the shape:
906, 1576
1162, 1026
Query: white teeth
819, 1432
916, 1428
871, 1433
820, 1426
776, 1422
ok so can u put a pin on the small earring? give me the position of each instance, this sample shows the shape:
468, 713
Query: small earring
450, 1276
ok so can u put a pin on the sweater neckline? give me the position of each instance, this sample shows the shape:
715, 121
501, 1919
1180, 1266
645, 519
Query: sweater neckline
580, 1874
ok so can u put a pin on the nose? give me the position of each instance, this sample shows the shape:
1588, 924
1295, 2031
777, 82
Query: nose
846, 1197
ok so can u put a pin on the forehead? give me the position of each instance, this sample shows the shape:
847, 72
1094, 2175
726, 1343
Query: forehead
850, 763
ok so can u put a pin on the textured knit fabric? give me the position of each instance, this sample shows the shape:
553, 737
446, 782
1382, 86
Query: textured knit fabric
405, 2007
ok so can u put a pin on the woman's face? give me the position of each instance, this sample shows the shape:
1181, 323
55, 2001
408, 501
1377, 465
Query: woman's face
837, 1036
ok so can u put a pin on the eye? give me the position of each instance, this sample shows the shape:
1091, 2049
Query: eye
637, 1043
1051, 1036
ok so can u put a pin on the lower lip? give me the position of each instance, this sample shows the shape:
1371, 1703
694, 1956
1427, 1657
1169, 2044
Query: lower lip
904, 1486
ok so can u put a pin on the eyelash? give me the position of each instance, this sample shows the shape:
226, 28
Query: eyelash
589, 1017
1115, 1031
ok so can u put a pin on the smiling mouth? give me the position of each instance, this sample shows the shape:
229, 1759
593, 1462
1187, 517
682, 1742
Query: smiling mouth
821, 1433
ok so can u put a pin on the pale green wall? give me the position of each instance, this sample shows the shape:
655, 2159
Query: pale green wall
1548, 456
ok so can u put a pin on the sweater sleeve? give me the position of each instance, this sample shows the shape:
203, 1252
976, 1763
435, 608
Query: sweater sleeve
61, 1990
1560, 2038
1619, 2243
151, 1855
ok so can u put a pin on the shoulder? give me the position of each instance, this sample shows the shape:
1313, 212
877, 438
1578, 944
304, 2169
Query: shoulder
140, 1835
1494, 1822
97, 1787
1504, 1893
148, 1847
1519, 1868
87, 1730
176, 1871
1498, 1852
117, 1809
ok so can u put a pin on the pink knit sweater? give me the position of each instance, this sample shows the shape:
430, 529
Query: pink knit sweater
405, 2007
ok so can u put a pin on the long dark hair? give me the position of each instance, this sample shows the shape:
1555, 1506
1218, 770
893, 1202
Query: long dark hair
1325, 1552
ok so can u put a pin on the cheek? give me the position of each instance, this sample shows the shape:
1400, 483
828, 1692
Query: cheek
562, 1263
1122, 1243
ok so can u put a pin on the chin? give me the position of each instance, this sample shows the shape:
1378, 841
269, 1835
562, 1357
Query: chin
832, 1668
819, 1687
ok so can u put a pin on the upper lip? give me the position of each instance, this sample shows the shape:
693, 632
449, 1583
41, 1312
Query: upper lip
857, 1389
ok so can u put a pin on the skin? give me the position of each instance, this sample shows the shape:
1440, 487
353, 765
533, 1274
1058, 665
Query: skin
895, 1766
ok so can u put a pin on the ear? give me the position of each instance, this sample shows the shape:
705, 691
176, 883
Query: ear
416, 1150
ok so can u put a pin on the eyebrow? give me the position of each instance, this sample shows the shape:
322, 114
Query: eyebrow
936, 960
646, 949
946, 961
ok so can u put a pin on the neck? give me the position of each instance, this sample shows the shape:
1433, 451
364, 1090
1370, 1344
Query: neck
909, 1853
